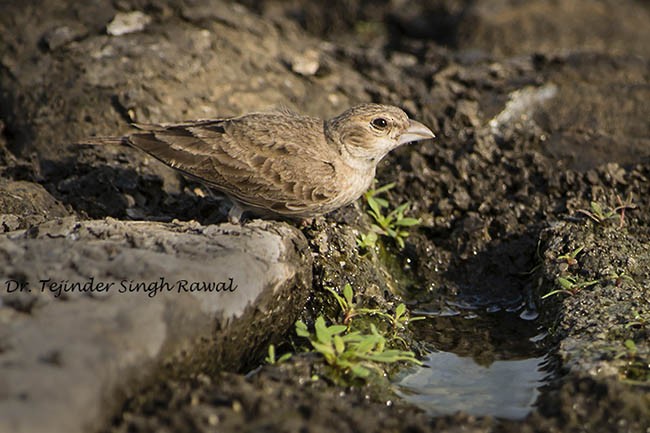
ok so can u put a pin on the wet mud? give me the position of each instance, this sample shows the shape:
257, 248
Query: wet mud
537, 184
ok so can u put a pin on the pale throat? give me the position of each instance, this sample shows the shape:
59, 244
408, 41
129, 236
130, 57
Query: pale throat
362, 158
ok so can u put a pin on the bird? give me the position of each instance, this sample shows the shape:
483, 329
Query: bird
281, 164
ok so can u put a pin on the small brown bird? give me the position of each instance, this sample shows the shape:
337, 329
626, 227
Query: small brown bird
281, 163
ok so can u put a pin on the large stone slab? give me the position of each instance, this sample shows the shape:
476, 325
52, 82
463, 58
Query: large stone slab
92, 310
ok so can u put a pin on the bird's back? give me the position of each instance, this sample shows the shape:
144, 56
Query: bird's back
278, 162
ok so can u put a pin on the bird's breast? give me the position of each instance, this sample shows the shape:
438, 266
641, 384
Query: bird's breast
354, 183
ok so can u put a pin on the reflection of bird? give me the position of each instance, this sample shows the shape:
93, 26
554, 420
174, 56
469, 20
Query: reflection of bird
281, 163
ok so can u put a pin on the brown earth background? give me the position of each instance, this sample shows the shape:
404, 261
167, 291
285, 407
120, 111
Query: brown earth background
540, 107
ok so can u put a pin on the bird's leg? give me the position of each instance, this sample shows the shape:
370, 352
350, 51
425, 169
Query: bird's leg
235, 213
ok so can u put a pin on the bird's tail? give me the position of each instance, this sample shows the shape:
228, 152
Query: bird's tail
103, 141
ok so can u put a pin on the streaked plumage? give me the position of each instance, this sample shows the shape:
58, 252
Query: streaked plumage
281, 163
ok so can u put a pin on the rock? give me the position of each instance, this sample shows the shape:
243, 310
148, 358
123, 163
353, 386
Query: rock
62, 35
74, 349
306, 63
128, 22
24, 203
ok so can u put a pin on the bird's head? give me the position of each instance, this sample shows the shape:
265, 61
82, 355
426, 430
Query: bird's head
366, 133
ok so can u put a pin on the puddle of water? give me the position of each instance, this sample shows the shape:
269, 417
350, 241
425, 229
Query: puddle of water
484, 361
448, 383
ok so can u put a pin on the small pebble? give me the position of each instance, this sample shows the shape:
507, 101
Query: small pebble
307, 63
127, 22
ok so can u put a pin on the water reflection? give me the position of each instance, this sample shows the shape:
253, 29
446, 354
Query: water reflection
448, 383
486, 357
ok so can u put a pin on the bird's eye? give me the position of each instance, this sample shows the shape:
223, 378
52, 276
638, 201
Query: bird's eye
379, 123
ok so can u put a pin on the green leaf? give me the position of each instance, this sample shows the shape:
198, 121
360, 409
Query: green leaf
401, 208
555, 292
577, 251
301, 329
382, 202
338, 298
284, 358
384, 188
360, 371
353, 337
566, 283
336, 329
596, 208
339, 345
270, 358
375, 208
347, 292
379, 218
367, 240
407, 222
381, 341
399, 311
366, 345
384, 223
322, 333
326, 350
375, 228
393, 355
630, 346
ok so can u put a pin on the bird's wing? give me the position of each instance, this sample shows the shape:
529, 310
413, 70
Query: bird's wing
272, 161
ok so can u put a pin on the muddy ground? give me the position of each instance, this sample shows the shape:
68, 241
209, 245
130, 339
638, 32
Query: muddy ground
540, 109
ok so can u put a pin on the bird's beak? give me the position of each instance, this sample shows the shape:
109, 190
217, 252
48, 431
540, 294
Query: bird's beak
415, 132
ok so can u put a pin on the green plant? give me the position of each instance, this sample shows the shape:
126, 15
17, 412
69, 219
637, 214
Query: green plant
368, 240
570, 258
271, 359
630, 351
570, 285
619, 277
639, 320
352, 353
346, 302
600, 214
391, 224
397, 321
400, 320
636, 369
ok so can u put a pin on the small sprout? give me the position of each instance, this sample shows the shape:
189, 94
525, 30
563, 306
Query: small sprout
600, 214
392, 224
570, 286
346, 302
631, 347
367, 241
271, 359
570, 258
636, 369
638, 320
622, 206
618, 278
630, 351
402, 318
